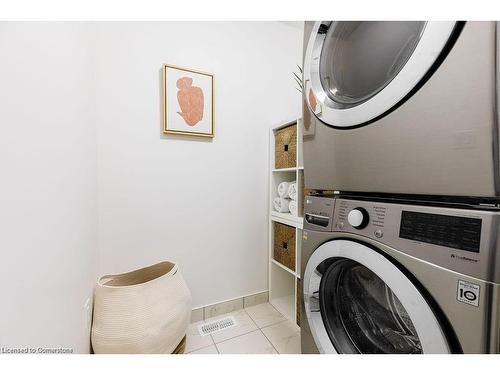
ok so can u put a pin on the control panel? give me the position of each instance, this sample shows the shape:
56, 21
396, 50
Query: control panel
460, 239
458, 229
366, 218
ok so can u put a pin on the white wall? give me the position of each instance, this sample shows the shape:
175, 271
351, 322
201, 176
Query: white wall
201, 203
48, 184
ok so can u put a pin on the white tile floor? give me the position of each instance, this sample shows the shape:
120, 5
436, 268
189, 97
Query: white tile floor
260, 329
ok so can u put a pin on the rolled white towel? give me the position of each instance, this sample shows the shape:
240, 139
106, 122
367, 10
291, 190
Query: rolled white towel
292, 191
283, 189
281, 204
292, 206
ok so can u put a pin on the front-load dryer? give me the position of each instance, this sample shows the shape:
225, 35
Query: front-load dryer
402, 107
399, 277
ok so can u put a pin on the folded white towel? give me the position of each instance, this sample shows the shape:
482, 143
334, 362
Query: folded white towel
281, 204
292, 191
283, 189
292, 206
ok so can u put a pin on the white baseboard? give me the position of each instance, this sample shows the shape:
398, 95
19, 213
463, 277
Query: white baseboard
209, 311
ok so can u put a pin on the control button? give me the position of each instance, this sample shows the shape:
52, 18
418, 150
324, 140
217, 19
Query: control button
358, 218
379, 234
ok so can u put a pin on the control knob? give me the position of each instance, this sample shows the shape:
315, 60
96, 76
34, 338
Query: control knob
358, 218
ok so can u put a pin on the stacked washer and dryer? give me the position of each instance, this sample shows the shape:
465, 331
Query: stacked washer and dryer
401, 119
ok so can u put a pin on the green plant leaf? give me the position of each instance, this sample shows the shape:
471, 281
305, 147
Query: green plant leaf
298, 80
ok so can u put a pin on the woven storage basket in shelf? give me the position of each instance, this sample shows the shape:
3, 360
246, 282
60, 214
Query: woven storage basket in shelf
285, 151
284, 245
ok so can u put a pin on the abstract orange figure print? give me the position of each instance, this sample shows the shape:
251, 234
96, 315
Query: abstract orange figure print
190, 100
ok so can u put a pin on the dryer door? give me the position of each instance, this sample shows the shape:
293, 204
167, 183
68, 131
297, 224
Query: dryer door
355, 72
357, 301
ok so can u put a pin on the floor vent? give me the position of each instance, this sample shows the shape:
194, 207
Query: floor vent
216, 326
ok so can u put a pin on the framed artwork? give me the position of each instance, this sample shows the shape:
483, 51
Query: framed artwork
188, 102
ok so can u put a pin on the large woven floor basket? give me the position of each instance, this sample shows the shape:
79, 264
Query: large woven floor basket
143, 311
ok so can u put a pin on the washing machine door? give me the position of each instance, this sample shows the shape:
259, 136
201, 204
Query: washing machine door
358, 301
355, 72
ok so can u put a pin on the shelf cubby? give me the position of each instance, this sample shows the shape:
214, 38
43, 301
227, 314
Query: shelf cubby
282, 291
284, 283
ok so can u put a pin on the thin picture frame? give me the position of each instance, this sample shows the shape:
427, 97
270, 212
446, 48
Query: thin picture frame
167, 128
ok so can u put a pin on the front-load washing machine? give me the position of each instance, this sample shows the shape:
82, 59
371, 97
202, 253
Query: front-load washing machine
398, 277
402, 107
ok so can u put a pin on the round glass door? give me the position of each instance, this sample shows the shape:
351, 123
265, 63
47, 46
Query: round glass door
355, 72
357, 301
361, 313
358, 59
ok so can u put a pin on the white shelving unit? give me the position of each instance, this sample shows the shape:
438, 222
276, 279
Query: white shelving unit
283, 282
